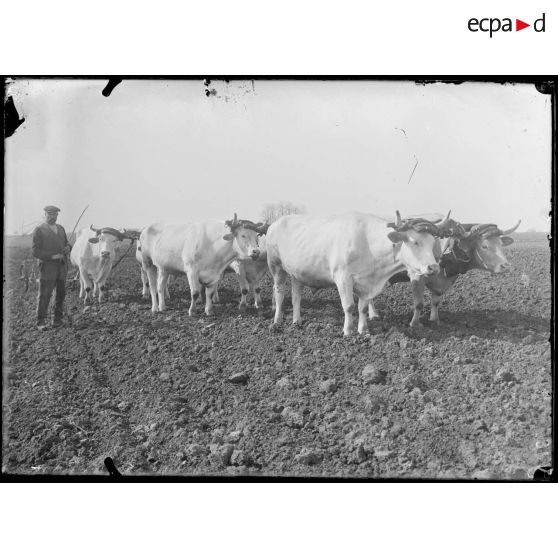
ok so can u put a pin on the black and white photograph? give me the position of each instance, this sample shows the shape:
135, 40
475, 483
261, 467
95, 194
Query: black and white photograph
266, 278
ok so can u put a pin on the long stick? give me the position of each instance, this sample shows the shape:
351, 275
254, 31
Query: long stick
77, 222
66, 312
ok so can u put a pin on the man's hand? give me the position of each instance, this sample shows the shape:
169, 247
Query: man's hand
57, 257
66, 250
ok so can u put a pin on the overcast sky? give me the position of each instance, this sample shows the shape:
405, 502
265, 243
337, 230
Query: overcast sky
163, 150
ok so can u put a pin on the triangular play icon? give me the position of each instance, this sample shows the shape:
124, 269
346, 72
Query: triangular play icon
519, 25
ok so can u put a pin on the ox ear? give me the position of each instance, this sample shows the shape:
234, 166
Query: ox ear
506, 240
94, 240
228, 236
397, 237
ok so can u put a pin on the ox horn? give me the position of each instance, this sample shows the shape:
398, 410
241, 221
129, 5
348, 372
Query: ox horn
129, 234
398, 222
98, 231
469, 230
445, 221
232, 223
262, 228
509, 231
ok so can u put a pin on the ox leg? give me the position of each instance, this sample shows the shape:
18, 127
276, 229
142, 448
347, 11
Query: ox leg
87, 285
372, 312
195, 291
434, 317
81, 286
244, 288
273, 304
151, 272
162, 287
258, 297
216, 299
279, 280
102, 292
418, 300
144, 283
297, 298
209, 297
345, 288
167, 292
363, 305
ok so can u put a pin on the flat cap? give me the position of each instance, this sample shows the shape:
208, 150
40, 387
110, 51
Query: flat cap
51, 209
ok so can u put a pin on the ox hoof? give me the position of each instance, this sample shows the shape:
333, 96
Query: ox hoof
275, 327
297, 325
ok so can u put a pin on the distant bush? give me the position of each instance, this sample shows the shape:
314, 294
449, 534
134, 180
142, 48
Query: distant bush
272, 211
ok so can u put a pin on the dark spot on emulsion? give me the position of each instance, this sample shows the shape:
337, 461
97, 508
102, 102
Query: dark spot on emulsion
419, 306
102, 287
195, 296
87, 289
12, 120
112, 83
257, 290
244, 291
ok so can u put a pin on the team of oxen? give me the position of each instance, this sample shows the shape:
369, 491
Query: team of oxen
357, 253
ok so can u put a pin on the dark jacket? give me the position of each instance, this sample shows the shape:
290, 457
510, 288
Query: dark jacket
45, 245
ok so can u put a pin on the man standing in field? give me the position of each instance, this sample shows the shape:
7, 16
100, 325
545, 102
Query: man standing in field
51, 247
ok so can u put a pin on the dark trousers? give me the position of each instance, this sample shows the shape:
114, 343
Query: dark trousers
46, 286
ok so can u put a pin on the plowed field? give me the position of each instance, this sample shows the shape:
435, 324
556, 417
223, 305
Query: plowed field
170, 394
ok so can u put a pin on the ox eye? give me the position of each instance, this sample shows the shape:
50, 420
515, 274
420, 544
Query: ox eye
484, 247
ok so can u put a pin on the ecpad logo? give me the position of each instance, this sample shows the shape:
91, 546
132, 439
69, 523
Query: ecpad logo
493, 25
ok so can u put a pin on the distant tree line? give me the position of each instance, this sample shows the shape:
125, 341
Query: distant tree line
272, 211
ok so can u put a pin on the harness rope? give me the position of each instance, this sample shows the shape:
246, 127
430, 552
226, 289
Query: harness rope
124, 255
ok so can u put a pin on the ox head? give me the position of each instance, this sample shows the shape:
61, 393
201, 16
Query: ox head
244, 236
481, 244
420, 248
106, 238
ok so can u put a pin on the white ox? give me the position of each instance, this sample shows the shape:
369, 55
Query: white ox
93, 254
144, 278
354, 252
469, 246
200, 250
250, 273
